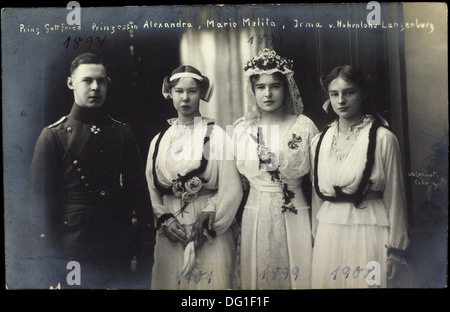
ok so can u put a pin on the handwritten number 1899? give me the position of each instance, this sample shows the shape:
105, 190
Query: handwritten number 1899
279, 272
90, 41
269, 38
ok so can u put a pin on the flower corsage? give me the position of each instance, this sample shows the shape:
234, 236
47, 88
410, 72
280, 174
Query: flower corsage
295, 141
186, 191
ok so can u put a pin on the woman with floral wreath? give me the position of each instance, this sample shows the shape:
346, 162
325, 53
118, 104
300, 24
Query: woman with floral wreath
191, 177
272, 144
359, 213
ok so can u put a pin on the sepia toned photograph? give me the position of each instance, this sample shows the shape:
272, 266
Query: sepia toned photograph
225, 147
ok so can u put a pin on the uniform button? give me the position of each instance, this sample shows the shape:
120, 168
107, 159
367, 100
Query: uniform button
66, 222
86, 184
75, 162
83, 178
69, 129
102, 193
79, 169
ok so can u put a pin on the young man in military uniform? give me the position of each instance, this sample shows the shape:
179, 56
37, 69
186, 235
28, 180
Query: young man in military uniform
88, 189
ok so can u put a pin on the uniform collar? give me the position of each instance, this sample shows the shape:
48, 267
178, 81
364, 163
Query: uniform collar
88, 115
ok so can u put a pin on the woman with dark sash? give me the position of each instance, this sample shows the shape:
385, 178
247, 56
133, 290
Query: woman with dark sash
359, 211
195, 191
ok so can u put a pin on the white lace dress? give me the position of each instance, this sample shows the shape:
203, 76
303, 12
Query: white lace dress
275, 245
348, 238
179, 154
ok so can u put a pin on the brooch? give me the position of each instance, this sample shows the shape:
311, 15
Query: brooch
95, 129
293, 143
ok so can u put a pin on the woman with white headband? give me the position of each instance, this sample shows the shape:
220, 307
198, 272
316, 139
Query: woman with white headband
272, 152
195, 191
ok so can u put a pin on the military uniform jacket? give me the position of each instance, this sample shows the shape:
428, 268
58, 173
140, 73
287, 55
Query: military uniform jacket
87, 180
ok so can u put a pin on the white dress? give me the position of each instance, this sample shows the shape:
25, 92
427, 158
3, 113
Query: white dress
348, 238
275, 246
180, 151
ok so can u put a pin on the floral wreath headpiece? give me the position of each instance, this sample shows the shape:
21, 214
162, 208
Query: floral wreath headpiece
269, 62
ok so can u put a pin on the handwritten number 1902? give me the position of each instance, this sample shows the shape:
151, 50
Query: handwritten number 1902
346, 272
90, 41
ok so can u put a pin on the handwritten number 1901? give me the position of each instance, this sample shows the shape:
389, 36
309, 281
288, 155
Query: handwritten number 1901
90, 41
195, 277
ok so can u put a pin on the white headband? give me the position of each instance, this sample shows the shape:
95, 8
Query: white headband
186, 75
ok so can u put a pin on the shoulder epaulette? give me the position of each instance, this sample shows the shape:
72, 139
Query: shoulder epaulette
115, 120
58, 122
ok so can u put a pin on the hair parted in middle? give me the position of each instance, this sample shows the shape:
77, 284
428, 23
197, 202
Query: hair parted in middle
187, 71
352, 75
268, 62
364, 82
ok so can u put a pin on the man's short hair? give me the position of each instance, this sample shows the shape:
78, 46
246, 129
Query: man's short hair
85, 58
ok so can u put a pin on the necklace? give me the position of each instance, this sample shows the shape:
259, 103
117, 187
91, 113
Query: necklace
350, 126
177, 149
358, 196
185, 124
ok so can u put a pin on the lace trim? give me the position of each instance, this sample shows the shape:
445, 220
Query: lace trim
397, 255
357, 197
294, 102
356, 131
269, 158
